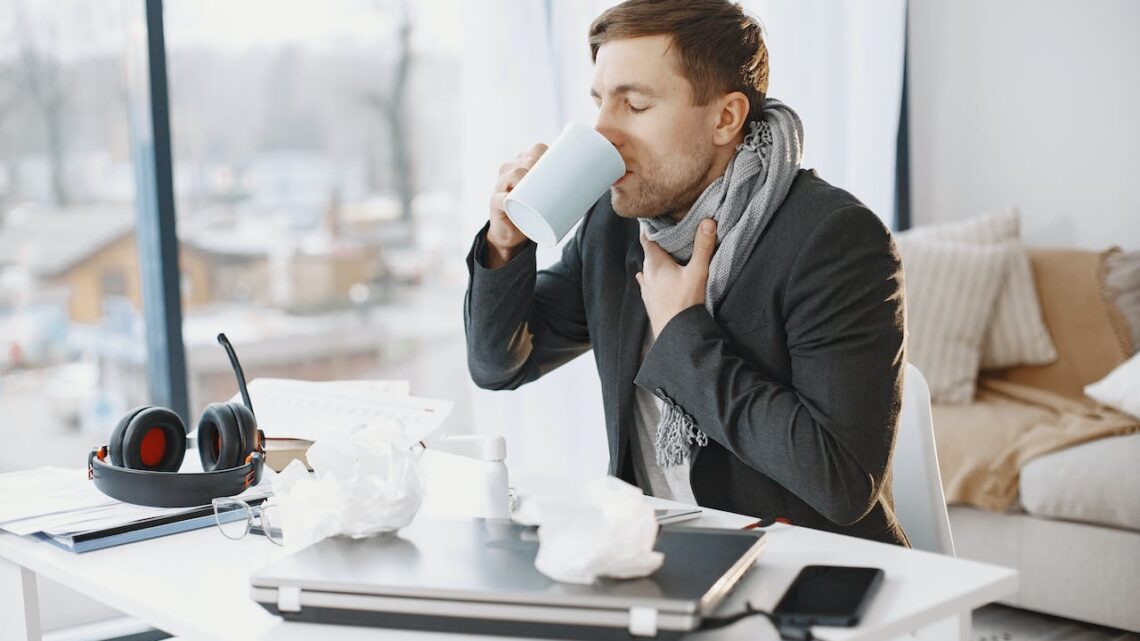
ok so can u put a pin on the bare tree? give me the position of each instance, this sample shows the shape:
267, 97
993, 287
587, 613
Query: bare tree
42, 78
7, 107
392, 108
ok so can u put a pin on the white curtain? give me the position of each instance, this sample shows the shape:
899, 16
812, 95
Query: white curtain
839, 64
527, 71
522, 61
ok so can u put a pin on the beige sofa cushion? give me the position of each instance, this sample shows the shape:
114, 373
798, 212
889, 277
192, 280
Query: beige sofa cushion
1084, 326
1095, 482
950, 294
1017, 334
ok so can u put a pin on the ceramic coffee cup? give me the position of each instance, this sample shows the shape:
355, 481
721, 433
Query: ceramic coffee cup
576, 170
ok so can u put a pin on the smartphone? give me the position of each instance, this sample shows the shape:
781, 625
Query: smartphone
676, 515
828, 595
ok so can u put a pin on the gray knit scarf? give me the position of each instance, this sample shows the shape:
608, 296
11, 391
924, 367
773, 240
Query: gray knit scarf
741, 202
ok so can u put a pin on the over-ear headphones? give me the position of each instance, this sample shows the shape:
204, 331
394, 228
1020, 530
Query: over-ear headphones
149, 443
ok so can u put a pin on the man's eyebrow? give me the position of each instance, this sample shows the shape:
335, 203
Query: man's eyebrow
632, 87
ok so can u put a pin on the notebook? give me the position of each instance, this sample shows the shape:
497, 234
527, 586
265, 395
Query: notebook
478, 576
192, 519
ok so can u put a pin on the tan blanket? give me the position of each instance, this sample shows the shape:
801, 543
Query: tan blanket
982, 446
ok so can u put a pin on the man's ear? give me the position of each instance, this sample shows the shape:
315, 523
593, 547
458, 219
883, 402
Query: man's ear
731, 117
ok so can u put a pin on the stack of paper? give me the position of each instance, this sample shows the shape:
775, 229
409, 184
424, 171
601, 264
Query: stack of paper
63, 506
287, 408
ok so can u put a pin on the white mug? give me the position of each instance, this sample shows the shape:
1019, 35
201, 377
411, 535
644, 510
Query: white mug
576, 170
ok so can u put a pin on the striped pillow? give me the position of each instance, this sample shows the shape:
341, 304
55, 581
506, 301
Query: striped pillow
1017, 335
950, 293
1122, 286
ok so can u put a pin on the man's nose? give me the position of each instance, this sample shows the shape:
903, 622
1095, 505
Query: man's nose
606, 126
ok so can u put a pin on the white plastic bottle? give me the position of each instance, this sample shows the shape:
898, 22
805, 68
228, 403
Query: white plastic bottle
466, 476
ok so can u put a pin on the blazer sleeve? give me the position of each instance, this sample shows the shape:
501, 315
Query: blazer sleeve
828, 436
521, 324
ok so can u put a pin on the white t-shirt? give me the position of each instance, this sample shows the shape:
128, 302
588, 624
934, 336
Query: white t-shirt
670, 483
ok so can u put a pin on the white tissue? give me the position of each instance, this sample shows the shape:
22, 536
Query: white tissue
364, 482
604, 529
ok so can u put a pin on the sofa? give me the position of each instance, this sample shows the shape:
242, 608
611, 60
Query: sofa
1039, 475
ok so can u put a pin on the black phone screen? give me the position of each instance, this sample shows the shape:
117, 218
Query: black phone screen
828, 595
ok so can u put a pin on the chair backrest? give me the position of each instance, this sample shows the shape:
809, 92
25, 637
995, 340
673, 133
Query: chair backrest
919, 501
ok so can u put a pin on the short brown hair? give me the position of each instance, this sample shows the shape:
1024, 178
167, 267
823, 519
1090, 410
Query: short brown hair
720, 47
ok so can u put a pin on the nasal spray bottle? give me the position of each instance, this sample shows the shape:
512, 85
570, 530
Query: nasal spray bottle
465, 476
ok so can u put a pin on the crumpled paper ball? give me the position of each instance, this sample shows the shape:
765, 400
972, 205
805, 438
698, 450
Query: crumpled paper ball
604, 529
364, 482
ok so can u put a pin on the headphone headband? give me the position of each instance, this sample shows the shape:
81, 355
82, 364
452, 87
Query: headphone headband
171, 489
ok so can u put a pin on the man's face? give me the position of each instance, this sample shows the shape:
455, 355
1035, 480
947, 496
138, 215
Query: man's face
646, 110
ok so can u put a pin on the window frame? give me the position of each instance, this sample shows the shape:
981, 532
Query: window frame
155, 218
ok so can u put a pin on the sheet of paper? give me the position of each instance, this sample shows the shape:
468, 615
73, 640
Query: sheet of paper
47, 490
40, 523
125, 513
308, 409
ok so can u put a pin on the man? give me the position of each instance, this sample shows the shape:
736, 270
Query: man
746, 317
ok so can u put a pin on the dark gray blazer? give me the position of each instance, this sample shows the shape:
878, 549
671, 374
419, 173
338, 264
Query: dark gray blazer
797, 381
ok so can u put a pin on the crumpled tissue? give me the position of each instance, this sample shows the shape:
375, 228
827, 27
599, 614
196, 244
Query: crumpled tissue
604, 529
364, 482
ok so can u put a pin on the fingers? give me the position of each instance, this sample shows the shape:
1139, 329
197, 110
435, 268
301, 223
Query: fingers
654, 255
503, 232
497, 201
524, 159
513, 171
523, 162
533, 153
536, 150
649, 260
510, 178
704, 244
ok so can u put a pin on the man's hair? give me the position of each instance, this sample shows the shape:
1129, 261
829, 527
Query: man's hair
720, 47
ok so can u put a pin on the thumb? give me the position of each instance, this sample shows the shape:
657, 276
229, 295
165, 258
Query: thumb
704, 244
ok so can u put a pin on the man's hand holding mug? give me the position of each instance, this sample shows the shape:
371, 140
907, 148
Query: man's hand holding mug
544, 192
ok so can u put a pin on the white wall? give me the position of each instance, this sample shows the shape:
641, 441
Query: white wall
1033, 103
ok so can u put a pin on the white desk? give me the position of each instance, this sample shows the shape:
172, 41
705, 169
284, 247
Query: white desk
195, 585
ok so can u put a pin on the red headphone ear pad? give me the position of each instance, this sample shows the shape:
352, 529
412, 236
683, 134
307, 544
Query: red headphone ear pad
153, 440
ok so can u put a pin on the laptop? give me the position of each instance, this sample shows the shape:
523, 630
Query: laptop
478, 576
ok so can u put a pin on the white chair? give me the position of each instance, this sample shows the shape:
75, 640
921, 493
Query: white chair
919, 502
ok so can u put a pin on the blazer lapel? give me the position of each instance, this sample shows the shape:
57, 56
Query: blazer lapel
633, 322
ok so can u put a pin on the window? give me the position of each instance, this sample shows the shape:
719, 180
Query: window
317, 180
69, 295
316, 177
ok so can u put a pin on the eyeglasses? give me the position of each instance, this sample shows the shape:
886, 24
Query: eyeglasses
235, 518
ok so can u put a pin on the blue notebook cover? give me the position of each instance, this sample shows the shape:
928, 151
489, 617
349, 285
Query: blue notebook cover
140, 531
